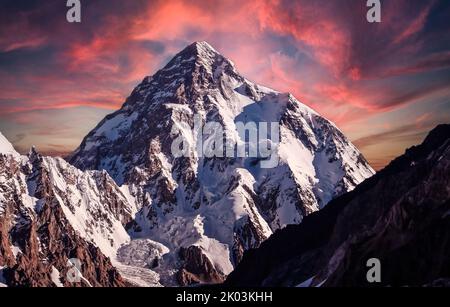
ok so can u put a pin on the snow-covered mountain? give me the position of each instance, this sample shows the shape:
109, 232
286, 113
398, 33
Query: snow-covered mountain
52, 213
197, 215
6, 147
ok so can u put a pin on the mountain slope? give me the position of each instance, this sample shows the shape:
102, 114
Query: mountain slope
208, 210
6, 147
400, 216
52, 213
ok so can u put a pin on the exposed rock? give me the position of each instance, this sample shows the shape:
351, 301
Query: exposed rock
36, 238
197, 268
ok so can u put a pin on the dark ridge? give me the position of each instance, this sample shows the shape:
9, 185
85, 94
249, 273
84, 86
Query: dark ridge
317, 228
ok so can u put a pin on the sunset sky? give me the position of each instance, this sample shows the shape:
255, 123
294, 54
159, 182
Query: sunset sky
384, 84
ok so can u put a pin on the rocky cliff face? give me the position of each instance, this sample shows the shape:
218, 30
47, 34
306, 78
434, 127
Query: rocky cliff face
216, 207
57, 224
400, 216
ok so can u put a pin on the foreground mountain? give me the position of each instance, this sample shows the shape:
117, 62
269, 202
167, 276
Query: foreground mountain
400, 216
59, 226
205, 212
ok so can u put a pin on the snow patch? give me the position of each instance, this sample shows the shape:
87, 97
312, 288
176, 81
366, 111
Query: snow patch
307, 283
142, 253
112, 128
16, 250
55, 277
6, 147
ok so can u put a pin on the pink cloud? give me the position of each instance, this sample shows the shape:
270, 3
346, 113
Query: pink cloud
416, 25
100, 69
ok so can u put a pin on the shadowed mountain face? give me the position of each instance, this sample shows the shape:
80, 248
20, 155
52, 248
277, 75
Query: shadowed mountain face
400, 216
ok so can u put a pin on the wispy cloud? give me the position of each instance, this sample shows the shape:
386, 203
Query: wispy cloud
408, 133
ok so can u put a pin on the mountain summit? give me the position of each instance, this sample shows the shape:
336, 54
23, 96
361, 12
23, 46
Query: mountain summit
206, 211
131, 210
6, 147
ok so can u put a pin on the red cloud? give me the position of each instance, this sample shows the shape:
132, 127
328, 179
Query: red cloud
324, 52
114, 54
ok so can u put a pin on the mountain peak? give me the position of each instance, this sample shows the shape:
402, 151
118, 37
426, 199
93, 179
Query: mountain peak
136, 145
201, 49
33, 153
438, 136
6, 147
197, 63
203, 46
200, 53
